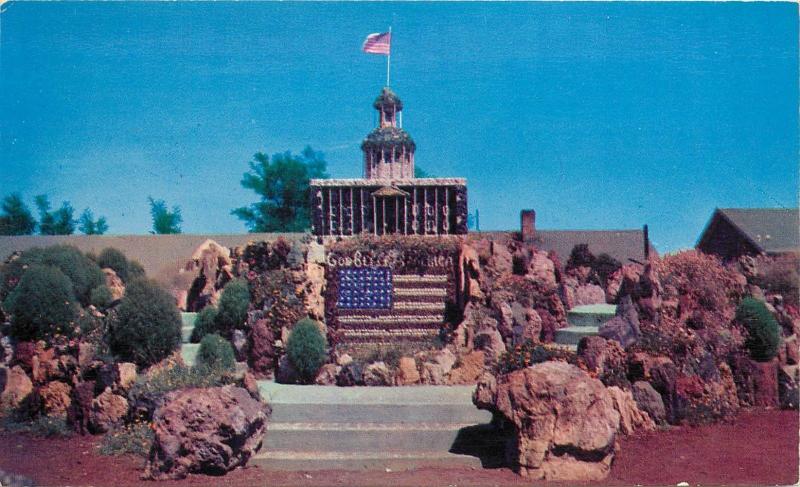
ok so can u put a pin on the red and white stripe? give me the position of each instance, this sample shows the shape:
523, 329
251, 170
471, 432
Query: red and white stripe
378, 43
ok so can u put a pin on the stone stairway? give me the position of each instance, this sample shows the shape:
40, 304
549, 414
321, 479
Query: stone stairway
188, 350
583, 321
396, 428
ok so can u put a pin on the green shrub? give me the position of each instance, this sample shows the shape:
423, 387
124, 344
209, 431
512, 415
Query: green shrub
204, 324
44, 426
305, 348
216, 353
174, 378
147, 326
580, 256
521, 356
135, 439
84, 273
232, 307
101, 297
127, 270
762, 329
42, 304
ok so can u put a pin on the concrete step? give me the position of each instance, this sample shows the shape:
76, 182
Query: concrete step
186, 333
323, 460
362, 437
571, 335
378, 413
591, 315
189, 352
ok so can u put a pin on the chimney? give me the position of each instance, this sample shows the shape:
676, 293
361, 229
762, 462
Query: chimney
646, 233
528, 218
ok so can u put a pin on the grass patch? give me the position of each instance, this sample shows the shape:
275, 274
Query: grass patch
44, 426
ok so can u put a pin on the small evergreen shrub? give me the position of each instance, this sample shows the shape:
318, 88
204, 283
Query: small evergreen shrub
127, 270
84, 273
216, 353
147, 326
762, 329
605, 265
204, 324
306, 349
580, 257
232, 307
101, 297
135, 439
42, 305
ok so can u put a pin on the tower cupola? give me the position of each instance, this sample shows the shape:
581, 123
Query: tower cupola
388, 149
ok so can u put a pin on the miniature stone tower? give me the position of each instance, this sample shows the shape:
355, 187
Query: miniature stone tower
388, 150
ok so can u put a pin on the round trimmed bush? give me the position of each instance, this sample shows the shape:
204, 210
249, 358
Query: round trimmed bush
216, 353
127, 270
232, 306
147, 327
205, 324
762, 329
101, 297
306, 349
42, 304
84, 273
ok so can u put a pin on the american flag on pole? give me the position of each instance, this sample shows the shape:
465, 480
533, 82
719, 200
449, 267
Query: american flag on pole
377, 305
378, 43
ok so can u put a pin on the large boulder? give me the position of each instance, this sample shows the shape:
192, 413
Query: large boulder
327, 375
16, 386
55, 397
589, 294
262, 348
108, 411
604, 358
378, 374
649, 401
565, 422
631, 418
756, 382
209, 430
469, 369
624, 327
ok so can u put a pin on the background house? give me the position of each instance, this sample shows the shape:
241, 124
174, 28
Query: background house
733, 232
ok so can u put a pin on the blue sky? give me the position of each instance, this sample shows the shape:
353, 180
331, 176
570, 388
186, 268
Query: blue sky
597, 115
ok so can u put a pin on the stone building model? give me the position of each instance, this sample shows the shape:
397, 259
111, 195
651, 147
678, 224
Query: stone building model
388, 199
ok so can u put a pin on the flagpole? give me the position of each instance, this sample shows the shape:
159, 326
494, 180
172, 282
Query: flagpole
389, 56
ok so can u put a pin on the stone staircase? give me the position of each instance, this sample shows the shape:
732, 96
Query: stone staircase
396, 428
583, 321
188, 350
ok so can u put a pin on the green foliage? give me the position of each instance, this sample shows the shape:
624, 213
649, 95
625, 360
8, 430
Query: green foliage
164, 220
216, 353
58, 222
762, 329
204, 324
174, 378
580, 257
42, 304
135, 439
306, 349
232, 307
421, 173
127, 270
90, 226
101, 297
43, 426
283, 186
147, 326
521, 356
16, 218
605, 265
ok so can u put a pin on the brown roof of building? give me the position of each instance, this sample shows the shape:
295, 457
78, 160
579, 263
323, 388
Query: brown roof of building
623, 245
772, 230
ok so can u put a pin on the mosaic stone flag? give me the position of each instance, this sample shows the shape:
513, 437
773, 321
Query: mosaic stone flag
375, 305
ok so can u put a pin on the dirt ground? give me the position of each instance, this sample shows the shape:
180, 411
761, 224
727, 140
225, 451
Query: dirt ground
761, 448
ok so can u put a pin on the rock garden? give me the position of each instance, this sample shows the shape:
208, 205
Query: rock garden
90, 345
